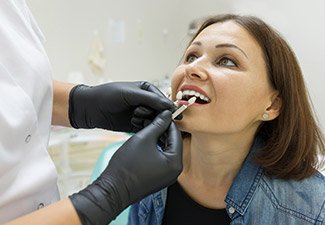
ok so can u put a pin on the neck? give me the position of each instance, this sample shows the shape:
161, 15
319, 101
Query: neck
214, 160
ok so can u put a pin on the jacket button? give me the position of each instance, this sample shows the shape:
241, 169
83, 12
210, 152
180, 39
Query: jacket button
41, 205
231, 210
28, 137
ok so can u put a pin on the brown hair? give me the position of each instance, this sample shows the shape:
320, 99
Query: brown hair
292, 140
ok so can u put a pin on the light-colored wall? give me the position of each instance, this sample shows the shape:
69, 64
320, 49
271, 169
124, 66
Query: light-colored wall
154, 35
153, 47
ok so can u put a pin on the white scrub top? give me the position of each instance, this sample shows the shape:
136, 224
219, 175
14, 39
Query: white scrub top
28, 179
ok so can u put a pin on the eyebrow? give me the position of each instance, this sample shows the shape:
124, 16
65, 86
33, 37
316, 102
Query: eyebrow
223, 46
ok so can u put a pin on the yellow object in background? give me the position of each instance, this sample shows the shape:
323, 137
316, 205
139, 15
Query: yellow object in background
96, 59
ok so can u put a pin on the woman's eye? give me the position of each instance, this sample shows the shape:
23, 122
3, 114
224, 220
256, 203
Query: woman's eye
227, 62
191, 58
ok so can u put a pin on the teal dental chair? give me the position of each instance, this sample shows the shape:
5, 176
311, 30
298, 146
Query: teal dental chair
100, 165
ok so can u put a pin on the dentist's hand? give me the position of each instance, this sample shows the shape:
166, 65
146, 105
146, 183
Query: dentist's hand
138, 168
118, 106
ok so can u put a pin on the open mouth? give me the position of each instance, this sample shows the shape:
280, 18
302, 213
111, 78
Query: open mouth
185, 95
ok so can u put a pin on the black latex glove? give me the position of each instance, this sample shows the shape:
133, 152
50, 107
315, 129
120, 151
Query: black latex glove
137, 168
112, 106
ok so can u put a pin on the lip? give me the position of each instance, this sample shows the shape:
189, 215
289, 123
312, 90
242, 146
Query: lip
194, 88
182, 102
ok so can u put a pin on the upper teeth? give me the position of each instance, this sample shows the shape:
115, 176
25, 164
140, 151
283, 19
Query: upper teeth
181, 94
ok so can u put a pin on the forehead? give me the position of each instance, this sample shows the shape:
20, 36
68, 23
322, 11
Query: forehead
232, 33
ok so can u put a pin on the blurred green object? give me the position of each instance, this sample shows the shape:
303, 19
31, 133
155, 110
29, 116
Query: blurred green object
100, 165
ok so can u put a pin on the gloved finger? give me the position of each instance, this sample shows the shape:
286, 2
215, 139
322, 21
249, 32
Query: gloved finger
150, 87
146, 123
144, 112
158, 126
149, 99
143, 116
162, 141
139, 123
174, 141
145, 97
173, 149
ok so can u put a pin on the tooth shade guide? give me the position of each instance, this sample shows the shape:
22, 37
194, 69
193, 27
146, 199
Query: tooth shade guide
191, 101
179, 95
183, 107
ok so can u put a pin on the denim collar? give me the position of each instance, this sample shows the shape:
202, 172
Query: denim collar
239, 195
244, 186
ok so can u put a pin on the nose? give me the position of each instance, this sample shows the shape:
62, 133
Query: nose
196, 70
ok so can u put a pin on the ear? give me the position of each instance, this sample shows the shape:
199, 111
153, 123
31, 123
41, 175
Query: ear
274, 109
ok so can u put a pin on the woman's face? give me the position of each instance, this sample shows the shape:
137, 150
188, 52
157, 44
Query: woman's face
225, 65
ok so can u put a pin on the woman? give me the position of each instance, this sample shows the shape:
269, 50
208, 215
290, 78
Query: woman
251, 142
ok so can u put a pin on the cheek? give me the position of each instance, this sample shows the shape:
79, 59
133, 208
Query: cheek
239, 95
239, 89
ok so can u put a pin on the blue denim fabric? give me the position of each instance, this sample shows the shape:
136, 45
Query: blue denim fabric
254, 199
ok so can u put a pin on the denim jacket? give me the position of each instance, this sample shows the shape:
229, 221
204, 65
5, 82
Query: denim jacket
253, 199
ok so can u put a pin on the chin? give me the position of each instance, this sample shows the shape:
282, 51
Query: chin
184, 126
181, 125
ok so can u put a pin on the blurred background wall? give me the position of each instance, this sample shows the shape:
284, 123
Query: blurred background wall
144, 40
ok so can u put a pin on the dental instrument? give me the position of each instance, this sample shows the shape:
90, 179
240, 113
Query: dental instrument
183, 107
